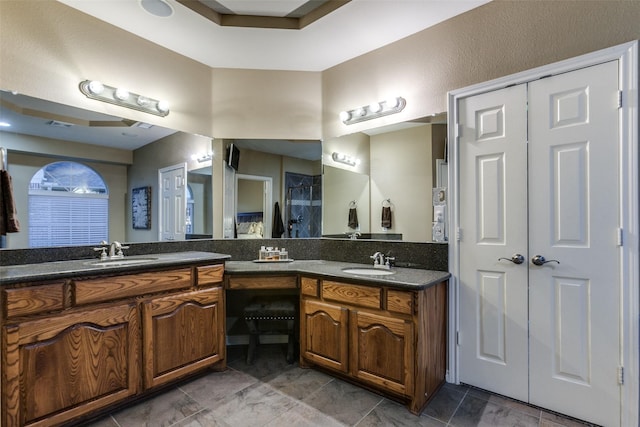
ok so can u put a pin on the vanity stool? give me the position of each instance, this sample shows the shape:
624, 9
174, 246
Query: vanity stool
271, 315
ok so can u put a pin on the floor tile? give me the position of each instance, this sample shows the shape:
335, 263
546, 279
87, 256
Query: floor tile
345, 402
302, 415
445, 402
299, 383
389, 413
256, 405
162, 410
475, 412
217, 386
504, 401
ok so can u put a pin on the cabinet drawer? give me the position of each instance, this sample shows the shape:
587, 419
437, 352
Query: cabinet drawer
309, 286
210, 274
263, 282
33, 299
110, 288
400, 301
363, 296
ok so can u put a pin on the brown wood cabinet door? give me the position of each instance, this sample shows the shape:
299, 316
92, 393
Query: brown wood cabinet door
182, 333
61, 367
324, 334
382, 351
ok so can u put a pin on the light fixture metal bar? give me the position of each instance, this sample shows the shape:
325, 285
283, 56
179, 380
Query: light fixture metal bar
385, 108
131, 100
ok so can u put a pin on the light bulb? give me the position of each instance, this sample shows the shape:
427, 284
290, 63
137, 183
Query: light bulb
345, 115
375, 107
96, 87
359, 112
121, 94
163, 106
392, 102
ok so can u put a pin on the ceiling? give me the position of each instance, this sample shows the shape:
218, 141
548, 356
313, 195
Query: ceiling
303, 35
352, 29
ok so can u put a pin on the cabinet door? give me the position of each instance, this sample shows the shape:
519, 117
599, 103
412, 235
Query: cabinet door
382, 351
62, 367
182, 333
324, 334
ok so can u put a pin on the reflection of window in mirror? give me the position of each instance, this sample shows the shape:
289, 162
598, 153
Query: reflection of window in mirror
68, 205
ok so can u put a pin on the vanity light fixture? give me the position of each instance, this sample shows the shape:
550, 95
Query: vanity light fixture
95, 90
343, 158
373, 110
202, 157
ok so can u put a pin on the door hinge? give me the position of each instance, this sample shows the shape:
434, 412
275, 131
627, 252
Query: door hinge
458, 338
619, 237
458, 234
458, 129
621, 375
619, 99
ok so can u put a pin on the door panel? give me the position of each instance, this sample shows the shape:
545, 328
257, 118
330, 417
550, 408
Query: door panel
173, 203
566, 325
493, 294
574, 305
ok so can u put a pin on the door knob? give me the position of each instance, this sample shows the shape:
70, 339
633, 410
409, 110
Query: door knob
540, 260
515, 258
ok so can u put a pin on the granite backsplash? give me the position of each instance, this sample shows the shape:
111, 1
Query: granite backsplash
428, 256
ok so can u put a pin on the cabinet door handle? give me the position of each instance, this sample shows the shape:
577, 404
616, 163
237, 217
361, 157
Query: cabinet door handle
540, 260
515, 258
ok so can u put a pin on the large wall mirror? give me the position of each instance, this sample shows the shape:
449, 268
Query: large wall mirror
315, 194
388, 169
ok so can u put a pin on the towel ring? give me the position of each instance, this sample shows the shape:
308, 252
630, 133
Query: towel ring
386, 203
353, 204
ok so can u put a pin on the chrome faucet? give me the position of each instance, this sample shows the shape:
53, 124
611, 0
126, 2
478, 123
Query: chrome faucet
354, 235
380, 260
115, 250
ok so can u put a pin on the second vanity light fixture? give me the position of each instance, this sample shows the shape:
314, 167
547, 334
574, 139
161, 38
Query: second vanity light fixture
373, 110
343, 158
95, 90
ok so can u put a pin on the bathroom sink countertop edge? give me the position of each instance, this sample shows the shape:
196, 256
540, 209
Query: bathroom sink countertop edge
58, 270
407, 278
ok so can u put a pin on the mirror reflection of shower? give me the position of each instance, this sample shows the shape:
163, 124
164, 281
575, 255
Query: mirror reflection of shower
303, 205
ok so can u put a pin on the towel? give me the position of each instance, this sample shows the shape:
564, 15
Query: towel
278, 225
8, 214
353, 218
386, 217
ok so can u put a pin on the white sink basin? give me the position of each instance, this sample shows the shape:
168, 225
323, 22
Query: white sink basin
119, 262
368, 271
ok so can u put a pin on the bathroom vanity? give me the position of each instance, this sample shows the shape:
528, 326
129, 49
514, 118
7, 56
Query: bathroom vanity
81, 337
77, 338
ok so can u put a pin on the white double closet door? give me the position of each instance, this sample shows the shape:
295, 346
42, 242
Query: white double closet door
539, 177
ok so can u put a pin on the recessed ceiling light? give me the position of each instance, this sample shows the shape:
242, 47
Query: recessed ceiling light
157, 7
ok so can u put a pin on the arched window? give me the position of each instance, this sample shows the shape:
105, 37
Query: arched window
68, 205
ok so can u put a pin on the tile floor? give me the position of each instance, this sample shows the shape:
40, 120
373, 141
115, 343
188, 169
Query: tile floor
272, 393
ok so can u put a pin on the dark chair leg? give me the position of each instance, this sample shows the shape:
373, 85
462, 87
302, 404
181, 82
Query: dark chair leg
253, 347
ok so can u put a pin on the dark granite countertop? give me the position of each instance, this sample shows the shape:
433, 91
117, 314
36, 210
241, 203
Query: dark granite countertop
404, 278
86, 267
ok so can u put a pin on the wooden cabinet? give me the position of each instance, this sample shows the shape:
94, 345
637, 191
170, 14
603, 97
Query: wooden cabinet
74, 347
324, 334
388, 339
182, 333
60, 367
382, 350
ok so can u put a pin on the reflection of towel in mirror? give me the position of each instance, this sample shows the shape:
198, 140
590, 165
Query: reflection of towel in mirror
278, 225
8, 214
386, 216
353, 218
